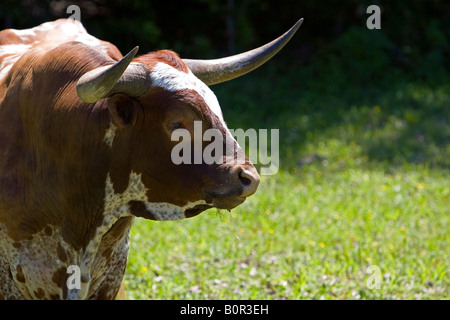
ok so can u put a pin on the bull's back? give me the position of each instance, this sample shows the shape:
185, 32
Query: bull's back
47, 36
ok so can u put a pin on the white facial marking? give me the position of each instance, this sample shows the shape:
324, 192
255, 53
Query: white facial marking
110, 134
171, 79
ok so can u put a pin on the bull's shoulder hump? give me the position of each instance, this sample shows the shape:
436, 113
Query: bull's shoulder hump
15, 43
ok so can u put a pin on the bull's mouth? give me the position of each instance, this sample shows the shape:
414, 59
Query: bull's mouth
227, 203
189, 213
229, 200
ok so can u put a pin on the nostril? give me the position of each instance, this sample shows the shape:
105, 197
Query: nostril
249, 180
245, 181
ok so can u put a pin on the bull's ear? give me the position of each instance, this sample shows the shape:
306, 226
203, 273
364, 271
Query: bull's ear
123, 110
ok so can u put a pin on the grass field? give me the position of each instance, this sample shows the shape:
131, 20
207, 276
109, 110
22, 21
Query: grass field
363, 181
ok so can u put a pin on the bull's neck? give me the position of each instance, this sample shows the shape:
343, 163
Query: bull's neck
71, 162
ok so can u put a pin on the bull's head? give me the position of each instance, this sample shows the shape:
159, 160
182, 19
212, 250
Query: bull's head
151, 96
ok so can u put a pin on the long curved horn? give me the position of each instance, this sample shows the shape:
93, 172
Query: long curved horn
220, 70
121, 77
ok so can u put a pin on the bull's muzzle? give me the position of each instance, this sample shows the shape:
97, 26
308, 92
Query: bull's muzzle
249, 180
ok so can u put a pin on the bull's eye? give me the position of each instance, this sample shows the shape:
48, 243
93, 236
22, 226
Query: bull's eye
177, 125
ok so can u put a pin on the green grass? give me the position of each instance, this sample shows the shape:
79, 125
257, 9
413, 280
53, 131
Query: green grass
364, 180
304, 236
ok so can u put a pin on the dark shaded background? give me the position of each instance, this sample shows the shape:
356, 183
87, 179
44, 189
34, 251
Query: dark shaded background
415, 29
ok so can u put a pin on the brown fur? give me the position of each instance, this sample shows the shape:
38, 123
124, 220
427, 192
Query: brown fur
165, 56
54, 164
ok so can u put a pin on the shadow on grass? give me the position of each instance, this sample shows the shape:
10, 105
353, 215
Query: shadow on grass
392, 121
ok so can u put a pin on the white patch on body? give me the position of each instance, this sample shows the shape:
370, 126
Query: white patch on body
37, 260
116, 206
110, 134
